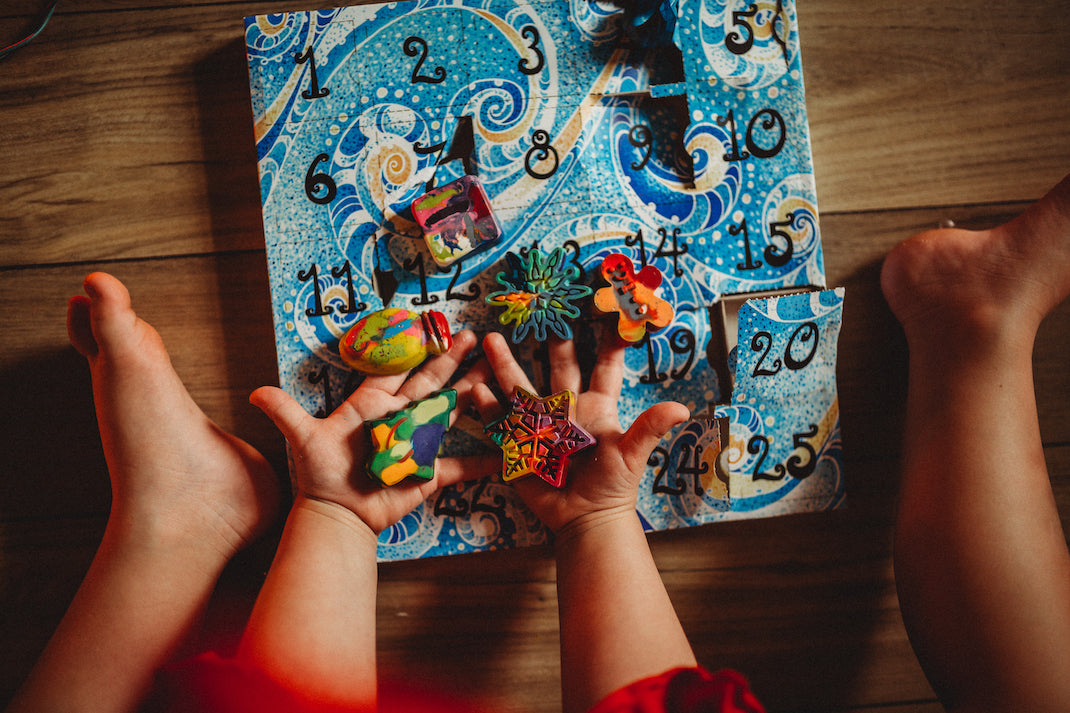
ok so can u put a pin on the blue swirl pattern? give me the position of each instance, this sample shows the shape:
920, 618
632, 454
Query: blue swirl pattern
583, 143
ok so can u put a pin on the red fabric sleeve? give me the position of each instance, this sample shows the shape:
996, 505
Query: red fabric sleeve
684, 690
210, 683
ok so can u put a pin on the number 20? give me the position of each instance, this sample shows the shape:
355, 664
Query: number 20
763, 342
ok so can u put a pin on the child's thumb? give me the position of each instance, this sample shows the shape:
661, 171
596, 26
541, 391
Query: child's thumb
649, 428
287, 415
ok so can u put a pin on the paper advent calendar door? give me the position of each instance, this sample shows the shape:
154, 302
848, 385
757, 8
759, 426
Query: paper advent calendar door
685, 148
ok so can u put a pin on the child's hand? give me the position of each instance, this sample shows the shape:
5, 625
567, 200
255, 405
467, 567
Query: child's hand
329, 454
603, 479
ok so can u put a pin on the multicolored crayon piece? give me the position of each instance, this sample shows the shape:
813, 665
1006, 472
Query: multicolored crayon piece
631, 294
456, 219
539, 294
393, 340
538, 436
406, 443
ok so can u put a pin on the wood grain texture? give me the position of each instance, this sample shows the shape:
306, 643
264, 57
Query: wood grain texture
128, 147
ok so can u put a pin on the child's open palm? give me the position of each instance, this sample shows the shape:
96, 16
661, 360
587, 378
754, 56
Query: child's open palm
601, 479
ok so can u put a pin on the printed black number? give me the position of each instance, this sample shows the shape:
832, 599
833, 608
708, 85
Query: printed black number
443, 508
729, 120
660, 456
524, 64
771, 118
798, 466
740, 44
732, 40
804, 333
494, 504
749, 262
778, 19
461, 506
575, 259
314, 91
323, 377
319, 309
421, 150
525, 250
317, 182
652, 375
682, 468
540, 151
416, 47
682, 341
763, 341
696, 468
417, 263
640, 137
351, 305
676, 251
760, 444
462, 145
473, 289
637, 239
775, 256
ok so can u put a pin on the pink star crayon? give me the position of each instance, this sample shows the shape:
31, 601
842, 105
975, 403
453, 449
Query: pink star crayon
538, 436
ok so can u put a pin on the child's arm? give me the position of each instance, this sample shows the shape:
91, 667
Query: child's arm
185, 497
313, 626
617, 623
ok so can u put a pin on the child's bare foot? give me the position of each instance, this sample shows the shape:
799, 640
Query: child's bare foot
175, 474
971, 285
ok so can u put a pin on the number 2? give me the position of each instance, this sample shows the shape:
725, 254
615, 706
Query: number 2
417, 47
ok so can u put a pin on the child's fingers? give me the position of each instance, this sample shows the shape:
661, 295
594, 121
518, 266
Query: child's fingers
485, 402
645, 432
287, 415
456, 469
564, 369
434, 375
365, 395
608, 373
507, 372
480, 373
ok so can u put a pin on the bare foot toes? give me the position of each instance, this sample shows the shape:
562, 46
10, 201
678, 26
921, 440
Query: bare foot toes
171, 466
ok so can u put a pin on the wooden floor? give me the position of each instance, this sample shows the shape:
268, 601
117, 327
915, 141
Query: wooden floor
126, 144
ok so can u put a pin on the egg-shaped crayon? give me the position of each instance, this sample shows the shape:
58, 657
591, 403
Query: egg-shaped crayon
393, 340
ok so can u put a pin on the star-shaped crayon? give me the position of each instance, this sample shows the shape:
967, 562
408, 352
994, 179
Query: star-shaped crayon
631, 294
538, 436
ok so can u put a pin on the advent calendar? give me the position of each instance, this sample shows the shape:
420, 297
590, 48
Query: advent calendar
672, 133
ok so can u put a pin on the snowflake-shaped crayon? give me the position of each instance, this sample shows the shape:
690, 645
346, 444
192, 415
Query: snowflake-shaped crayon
539, 294
538, 436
